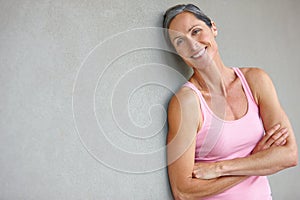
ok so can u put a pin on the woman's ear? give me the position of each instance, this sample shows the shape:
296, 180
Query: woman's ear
214, 28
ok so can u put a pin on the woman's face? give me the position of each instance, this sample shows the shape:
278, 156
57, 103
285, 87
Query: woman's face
193, 40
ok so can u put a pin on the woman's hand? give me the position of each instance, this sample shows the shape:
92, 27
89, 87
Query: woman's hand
206, 170
276, 136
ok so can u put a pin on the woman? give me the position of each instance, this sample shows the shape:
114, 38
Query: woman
217, 148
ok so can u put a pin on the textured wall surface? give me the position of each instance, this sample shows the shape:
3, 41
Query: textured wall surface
84, 87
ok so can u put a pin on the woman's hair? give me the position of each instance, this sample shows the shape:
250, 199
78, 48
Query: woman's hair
175, 10
172, 12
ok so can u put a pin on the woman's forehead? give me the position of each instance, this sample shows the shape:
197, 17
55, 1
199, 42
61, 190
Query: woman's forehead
184, 21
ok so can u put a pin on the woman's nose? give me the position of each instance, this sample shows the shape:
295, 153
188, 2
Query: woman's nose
193, 44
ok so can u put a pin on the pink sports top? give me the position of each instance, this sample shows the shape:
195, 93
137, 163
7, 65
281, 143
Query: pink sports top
219, 139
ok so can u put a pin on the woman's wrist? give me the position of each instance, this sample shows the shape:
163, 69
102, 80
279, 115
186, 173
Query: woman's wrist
222, 169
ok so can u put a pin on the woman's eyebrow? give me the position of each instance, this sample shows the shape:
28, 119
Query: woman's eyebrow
193, 27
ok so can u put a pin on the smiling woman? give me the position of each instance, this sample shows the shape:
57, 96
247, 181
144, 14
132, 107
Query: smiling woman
231, 119
186, 30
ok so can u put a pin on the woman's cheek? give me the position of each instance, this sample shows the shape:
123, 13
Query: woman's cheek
183, 54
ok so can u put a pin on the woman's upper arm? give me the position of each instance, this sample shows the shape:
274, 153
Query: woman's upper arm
183, 121
270, 109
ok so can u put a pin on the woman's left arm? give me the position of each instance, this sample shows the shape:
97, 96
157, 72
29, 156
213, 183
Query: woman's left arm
268, 161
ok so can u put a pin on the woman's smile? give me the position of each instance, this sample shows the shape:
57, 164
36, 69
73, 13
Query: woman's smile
199, 53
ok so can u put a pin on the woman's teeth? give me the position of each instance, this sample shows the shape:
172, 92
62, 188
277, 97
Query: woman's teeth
200, 53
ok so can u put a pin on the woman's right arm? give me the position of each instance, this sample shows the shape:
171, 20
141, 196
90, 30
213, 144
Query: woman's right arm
184, 116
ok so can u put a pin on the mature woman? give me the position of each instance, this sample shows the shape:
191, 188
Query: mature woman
227, 130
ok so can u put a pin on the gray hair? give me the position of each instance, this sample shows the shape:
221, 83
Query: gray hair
172, 12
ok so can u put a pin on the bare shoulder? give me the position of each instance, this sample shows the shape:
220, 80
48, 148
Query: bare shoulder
184, 105
184, 112
185, 98
258, 80
254, 74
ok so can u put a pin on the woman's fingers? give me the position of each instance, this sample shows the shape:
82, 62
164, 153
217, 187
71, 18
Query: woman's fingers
283, 142
282, 138
268, 135
205, 171
270, 132
276, 138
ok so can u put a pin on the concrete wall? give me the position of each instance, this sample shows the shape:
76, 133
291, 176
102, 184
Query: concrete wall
84, 87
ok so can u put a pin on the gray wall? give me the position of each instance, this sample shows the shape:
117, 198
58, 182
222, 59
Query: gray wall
82, 107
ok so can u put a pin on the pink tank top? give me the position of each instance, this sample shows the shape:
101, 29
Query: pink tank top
219, 139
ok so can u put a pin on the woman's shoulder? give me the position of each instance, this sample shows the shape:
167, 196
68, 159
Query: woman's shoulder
255, 75
185, 105
184, 96
257, 79
185, 100
253, 72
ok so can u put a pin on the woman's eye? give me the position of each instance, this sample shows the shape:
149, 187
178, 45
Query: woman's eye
179, 41
196, 31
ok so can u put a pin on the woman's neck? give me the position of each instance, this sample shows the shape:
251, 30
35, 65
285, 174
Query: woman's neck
212, 78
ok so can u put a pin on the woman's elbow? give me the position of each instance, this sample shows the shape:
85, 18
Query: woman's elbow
180, 194
183, 191
187, 192
292, 156
294, 159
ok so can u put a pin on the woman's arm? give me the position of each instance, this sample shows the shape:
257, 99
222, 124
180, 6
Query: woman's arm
268, 161
184, 118
273, 137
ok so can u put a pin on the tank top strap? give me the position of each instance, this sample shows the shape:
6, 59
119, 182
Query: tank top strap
245, 85
201, 98
206, 116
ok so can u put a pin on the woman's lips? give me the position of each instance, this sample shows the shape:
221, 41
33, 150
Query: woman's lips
199, 54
